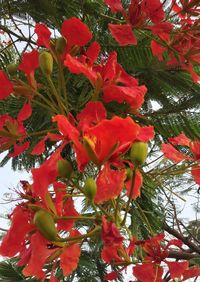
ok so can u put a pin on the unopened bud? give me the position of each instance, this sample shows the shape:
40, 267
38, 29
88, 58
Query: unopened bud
64, 168
12, 69
46, 63
90, 188
139, 152
60, 45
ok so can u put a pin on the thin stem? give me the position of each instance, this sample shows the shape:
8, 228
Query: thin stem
130, 197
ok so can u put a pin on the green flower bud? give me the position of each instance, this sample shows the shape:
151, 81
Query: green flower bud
64, 168
139, 152
90, 188
12, 69
46, 63
45, 224
60, 45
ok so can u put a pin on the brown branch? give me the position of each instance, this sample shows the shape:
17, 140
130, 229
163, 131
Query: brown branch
179, 236
21, 38
182, 255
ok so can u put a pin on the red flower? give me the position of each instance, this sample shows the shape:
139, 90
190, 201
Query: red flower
29, 62
13, 131
76, 32
109, 184
14, 239
112, 241
6, 86
44, 35
171, 153
103, 139
46, 174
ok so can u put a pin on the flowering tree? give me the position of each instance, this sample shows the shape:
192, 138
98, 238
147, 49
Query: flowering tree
100, 147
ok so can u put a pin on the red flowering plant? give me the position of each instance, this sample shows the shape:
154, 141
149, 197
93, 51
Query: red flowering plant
94, 154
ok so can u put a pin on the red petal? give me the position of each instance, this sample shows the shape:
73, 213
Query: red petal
109, 253
66, 128
43, 34
196, 174
134, 96
75, 66
93, 52
146, 133
195, 148
15, 237
157, 49
39, 254
154, 10
109, 184
39, 147
6, 86
46, 174
192, 272
111, 276
19, 149
92, 114
115, 5
181, 139
176, 269
29, 62
69, 259
25, 112
160, 28
137, 185
172, 154
147, 272
123, 34
76, 32
68, 210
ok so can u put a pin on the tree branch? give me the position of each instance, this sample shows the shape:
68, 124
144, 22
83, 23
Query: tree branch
179, 236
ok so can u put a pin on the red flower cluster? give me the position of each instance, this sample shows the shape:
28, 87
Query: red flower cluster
95, 137
173, 154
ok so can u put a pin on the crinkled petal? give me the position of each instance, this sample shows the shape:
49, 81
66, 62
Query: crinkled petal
6, 86
25, 112
69, 259
172, 154
123, 34
76, 32
109, 184
19, 149
44, 35
13, 241
176, 268
92, 114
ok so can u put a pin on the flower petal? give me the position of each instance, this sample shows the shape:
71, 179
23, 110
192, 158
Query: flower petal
6, 86
123, 34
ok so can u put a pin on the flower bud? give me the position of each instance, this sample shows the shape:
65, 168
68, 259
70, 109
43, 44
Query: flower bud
45, 224
90, 188
139, 152
12, 69
46, 63
60, 45
64, 168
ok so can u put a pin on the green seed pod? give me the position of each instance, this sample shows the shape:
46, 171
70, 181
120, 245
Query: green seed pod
64, 168
45, 224
12, 69
90, 188
60, 45
46, 63
139, 152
